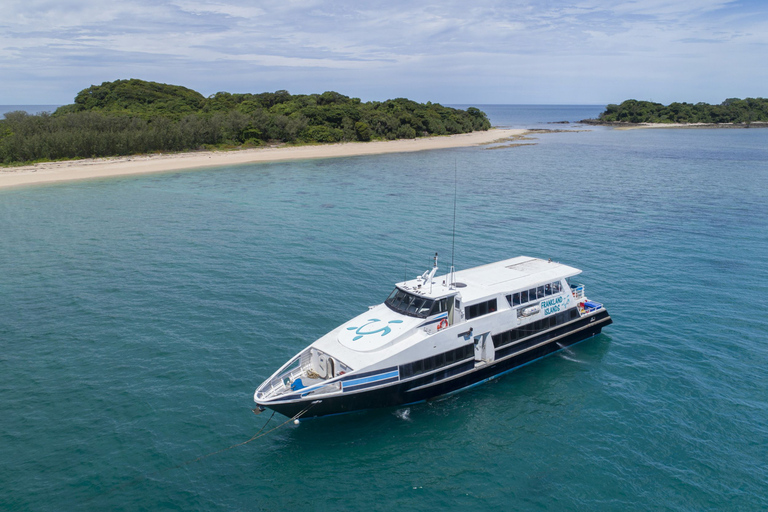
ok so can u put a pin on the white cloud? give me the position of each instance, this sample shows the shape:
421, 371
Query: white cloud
494, 50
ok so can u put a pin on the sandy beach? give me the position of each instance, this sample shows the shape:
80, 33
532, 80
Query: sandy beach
52, 172
641, 126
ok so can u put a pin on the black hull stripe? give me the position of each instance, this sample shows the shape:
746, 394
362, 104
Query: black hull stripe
530, 344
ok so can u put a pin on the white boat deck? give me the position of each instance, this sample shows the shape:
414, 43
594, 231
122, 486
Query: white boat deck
504, 276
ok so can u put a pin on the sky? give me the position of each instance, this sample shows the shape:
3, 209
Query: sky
451, 52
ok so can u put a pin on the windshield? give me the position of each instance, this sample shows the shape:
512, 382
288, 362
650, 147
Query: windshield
408, 304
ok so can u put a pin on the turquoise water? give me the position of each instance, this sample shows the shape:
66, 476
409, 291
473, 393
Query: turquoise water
551, 117
138, 315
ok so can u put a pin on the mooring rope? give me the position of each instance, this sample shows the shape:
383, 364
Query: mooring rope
255, 436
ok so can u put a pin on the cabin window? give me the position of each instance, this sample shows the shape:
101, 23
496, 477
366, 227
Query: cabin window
540, 292
409, 304
440, 306
436, 361
507, 337
480, 309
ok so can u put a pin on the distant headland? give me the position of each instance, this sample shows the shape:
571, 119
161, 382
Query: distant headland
732, 113
130, 117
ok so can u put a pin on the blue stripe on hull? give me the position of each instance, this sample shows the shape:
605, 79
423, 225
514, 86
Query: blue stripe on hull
352, 383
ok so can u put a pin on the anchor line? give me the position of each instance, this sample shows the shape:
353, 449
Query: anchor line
253, 438
257, 435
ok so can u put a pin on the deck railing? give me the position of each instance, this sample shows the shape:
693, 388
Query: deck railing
278, 384
578, 291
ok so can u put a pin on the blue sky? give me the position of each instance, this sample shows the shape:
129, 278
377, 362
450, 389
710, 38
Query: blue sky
481, 51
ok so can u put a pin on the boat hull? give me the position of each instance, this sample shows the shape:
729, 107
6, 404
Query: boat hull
423, 388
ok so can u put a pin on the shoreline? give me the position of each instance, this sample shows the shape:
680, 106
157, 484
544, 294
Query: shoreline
92, 168
643, 126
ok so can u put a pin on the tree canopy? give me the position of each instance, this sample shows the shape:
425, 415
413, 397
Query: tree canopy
135, 116
732, 110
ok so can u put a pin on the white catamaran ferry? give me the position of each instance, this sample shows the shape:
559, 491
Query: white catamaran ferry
436, 335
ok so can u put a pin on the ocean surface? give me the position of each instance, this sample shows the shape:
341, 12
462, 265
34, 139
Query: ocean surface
138, 315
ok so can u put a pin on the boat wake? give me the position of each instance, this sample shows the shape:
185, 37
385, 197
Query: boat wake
404, 414
567, 354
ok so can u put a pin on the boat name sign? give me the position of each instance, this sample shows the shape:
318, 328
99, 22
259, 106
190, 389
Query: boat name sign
553, 305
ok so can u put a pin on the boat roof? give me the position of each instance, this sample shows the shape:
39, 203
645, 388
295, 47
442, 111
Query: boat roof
507, 276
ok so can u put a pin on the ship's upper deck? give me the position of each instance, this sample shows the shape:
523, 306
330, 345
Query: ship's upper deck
504, 276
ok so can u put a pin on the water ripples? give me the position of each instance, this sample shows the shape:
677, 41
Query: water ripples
138, 315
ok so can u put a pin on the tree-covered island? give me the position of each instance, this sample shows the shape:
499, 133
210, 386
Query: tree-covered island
731, 111
127, 117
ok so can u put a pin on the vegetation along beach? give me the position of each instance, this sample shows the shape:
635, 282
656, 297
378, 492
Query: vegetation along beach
134, 126
731, 113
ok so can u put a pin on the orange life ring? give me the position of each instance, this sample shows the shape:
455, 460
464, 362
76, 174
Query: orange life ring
442, 324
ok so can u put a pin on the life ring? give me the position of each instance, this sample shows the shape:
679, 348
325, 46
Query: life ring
442, 324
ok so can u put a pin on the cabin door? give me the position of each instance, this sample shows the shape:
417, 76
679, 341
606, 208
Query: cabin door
484, 352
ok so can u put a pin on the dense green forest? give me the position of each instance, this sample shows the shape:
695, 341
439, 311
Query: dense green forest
732, 110
127, 117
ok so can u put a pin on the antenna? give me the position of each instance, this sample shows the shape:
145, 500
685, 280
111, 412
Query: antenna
432, 274
453, 242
